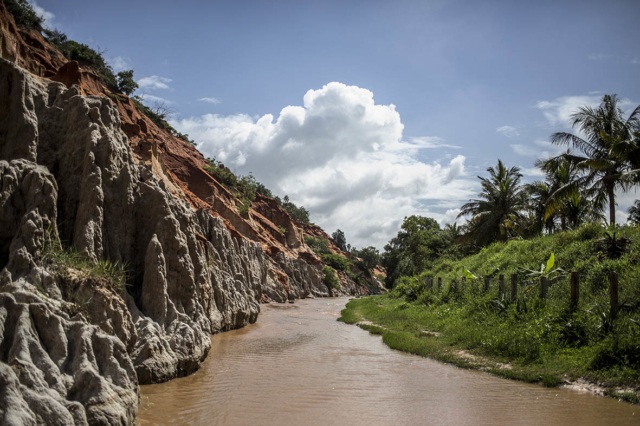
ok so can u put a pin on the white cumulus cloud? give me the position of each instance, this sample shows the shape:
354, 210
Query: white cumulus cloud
508, 131
340, 155
154, 82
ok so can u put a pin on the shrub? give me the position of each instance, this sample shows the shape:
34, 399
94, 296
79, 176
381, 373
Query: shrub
336, 261
330, 279
23, 14
245, 206
318, 245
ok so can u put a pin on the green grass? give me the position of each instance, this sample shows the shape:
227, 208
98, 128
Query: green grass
547, 341
61, 260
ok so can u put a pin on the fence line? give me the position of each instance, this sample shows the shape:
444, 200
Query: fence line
544, 286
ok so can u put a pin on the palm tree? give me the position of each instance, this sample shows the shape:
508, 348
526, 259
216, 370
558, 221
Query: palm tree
634, 212
539, 194
610, 151
498, 212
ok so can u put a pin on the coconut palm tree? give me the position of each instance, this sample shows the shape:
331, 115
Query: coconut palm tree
634, 212
539, 194
609, 153
498, 212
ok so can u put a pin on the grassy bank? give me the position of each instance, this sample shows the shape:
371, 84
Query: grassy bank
548, 341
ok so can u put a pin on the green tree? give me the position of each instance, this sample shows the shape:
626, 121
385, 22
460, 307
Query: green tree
609, 151
498, 212
23, 14
370, 256
330, 279
126, 83
419, 242
339, 240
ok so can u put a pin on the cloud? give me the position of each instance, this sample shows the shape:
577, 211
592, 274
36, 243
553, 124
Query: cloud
210, 100
156, 99
154, 82
532, 172
539, 149
451, 216
508, 131
635, 61
429, 142
340, 155
558, 112
120, 63
49, 18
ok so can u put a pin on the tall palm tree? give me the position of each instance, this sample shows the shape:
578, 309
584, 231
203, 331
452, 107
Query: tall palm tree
609, 152
498, 212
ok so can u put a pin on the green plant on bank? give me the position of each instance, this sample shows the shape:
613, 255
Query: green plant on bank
245, 206
544, 340
24, 15
282, 230
337, 262
319, 245
60, 260
85, 56
330, 278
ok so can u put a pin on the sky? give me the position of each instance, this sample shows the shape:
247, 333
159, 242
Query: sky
367, 111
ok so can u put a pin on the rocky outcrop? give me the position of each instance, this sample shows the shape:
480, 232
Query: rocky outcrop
189, 277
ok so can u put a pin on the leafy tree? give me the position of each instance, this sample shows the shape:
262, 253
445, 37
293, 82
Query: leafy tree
370, 256
496, 215
610, 154
126, 83
419, 242
339, 240
634, 212
23, 14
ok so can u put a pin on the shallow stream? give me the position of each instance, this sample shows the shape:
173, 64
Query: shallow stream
299, 366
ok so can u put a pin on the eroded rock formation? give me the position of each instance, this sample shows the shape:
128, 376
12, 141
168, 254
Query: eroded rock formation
89, 177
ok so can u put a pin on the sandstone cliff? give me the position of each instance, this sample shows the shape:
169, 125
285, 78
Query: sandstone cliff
85, 175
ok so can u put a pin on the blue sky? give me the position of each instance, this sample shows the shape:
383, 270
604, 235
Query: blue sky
470, 81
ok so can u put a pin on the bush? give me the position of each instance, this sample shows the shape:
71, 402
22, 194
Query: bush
337, 262
318, 245
85, 56
23, 14
330, 279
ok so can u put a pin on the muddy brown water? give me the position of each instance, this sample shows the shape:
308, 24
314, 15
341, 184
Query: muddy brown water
299, 366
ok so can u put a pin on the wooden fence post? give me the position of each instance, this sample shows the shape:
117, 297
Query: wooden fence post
439, 283
501, 285
543, 286
486, 284
613, 289
514, 286
575, 288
